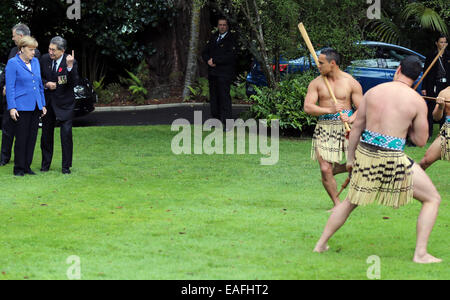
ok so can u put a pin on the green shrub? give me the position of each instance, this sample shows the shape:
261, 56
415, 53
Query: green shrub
105, 96
137, 89
237, 90
98, 85
200, 90
284, 103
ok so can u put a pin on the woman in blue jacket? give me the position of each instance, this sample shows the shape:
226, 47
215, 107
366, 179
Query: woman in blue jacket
25, 98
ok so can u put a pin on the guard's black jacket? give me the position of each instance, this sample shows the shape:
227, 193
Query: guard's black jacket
223, 54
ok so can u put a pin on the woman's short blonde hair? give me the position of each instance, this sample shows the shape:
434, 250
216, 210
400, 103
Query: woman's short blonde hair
27, 41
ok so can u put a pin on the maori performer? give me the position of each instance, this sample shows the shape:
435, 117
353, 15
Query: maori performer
440, 148
329, 143
380, 171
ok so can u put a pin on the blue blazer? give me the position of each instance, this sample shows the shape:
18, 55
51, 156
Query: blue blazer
24, 88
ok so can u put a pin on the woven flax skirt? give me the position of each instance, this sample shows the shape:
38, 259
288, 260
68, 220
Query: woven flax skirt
382, 176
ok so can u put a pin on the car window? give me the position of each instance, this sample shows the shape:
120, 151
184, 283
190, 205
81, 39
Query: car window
394, 57
374, 58
366, 63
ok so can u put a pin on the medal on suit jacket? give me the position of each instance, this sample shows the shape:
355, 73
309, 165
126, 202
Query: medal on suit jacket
62, 79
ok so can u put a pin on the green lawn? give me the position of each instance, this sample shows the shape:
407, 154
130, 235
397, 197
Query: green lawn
133, 210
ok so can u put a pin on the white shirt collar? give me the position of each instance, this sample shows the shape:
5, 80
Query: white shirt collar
58, 61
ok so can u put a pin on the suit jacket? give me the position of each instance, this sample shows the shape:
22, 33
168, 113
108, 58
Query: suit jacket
430, 80
61, 100
12, 54
24, 89
223, 54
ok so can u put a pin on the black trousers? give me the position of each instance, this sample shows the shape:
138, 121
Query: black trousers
26, 128
219, 98
431, 104
8, 131
48, 140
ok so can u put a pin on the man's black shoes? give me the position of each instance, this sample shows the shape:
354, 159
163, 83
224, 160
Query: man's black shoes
66, 171
30, 172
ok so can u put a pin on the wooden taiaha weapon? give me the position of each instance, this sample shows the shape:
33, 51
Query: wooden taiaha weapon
344, 185
316, 60
434, 98
429, 68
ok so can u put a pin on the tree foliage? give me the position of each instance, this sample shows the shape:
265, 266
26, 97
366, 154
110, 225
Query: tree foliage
411, 23
7, 21
107, 28
334, 23
265, 28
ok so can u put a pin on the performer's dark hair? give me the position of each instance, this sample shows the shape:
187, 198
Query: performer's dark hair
331, 54
440, 36
411, 66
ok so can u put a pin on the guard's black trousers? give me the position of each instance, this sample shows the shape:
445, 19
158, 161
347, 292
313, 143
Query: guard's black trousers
219, 98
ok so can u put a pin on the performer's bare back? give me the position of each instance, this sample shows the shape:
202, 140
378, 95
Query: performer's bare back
395, 109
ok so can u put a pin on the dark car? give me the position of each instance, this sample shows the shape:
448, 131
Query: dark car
85, 97
379, 66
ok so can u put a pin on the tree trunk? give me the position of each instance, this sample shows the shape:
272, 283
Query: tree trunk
265, 64
191, 68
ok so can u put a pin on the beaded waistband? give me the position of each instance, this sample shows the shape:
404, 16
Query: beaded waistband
383, 141
348, 112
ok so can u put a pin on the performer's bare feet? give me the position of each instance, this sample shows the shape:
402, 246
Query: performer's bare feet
426, 259
321, 249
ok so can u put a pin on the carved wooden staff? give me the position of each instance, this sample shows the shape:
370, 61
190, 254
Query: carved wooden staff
429, 68
433, 98
344, 185
316, 60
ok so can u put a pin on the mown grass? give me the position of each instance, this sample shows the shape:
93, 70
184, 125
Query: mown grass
131, 209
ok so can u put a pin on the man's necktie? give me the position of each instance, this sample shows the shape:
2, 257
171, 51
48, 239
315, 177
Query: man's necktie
54, 67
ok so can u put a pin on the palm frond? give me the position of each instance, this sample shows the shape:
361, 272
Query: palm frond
386, 30
425, 16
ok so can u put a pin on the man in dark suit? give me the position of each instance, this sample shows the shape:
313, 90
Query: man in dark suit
18, 32
437, 78
220, 55
60, 75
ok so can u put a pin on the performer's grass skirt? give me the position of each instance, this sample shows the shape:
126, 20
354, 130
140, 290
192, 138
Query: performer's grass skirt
382, 176
329, 141
445, 140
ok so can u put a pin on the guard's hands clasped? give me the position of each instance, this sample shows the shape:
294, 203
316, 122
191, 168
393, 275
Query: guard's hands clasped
210, 63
